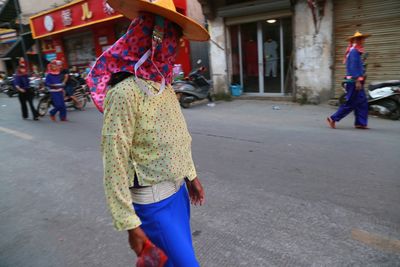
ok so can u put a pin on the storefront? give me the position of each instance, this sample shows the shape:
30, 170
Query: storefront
79, 32
260, 48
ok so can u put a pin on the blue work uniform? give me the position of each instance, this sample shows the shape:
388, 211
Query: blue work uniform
54, 83
355, 99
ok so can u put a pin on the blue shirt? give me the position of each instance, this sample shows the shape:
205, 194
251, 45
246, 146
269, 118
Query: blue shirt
52, 79
22, 81
354, 64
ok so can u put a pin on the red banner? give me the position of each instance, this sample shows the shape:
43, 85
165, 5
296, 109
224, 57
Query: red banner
71, 16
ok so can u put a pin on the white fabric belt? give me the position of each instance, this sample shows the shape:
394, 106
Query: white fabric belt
155, 193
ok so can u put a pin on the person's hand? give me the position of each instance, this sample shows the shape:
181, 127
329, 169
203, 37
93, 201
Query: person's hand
136, 239
19, 89
196, 191
358, 85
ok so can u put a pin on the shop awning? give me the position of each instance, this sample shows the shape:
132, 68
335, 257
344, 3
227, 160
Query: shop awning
8, 11
16, 49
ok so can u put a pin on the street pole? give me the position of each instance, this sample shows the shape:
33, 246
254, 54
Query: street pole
21, 29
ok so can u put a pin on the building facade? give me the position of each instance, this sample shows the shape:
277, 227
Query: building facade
295, 48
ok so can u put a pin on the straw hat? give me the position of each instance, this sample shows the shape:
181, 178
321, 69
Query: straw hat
164, 8
358, 34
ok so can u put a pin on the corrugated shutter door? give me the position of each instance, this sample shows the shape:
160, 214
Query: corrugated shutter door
379, 18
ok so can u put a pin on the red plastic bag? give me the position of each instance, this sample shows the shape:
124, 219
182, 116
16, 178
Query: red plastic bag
151, 256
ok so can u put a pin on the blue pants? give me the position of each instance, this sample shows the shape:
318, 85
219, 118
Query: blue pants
167, 224
59, 105
355, 100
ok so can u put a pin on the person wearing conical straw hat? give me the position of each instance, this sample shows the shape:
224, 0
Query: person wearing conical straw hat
356, 99
146, 145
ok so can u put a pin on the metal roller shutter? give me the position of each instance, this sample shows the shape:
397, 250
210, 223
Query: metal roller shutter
379, 18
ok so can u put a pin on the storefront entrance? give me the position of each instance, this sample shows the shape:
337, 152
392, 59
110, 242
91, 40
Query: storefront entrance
261, 55
80, 49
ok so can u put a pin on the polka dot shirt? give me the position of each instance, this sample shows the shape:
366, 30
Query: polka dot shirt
146, 135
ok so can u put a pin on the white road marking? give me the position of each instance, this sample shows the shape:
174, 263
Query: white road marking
16, 133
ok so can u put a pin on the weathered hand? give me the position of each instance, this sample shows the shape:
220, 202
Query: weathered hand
196, 192
137, 238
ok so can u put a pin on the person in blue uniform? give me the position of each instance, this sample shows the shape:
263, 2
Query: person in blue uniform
54, 80
25, 92
356, 99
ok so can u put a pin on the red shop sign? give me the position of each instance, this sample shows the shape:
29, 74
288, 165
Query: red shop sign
71, 16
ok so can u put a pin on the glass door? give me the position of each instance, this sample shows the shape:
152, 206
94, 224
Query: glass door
249, 57
261, 56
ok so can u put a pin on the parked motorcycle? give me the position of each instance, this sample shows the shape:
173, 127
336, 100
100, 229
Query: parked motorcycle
80, 93
37, 84
7, 86
383, 98
193, 88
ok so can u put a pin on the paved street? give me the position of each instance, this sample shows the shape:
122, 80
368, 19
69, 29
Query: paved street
282, 189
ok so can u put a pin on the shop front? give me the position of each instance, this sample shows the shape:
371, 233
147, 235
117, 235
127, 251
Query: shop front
260, 48
79, 32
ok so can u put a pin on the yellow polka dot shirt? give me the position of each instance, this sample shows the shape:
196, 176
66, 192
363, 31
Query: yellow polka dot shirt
146, 135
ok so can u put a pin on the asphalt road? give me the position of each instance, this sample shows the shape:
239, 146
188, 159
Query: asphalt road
282, 189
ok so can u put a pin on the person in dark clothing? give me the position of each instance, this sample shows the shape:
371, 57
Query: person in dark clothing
69, 86
25, 92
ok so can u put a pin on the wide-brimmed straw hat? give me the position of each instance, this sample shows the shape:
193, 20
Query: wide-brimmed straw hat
165, 8
358, 34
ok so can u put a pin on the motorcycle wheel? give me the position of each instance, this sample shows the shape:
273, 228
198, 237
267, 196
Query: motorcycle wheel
10, 93
80, 95
182, 103
43, 106
391, 105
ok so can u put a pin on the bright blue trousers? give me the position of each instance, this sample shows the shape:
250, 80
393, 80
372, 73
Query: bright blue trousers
59, 105
167, 224
355, 100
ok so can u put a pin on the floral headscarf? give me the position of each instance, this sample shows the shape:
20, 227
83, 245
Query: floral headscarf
54, 67
144, 36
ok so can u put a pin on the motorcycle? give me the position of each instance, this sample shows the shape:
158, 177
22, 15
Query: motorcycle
7, 86
193, 88
383, 98
80, 93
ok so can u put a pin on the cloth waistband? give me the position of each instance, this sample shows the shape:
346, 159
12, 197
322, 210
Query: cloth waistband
155, 193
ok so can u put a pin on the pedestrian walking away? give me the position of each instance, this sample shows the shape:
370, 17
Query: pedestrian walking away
149, 175
25, 92
356, 99
54, 80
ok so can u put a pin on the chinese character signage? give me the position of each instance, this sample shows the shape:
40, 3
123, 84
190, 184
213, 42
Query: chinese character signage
71, 16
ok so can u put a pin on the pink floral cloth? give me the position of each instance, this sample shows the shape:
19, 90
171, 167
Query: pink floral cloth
126, 52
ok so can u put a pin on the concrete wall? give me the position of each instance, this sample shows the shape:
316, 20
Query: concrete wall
313, 54
218, 62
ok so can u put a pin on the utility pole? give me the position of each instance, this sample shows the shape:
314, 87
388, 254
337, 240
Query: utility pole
21, 29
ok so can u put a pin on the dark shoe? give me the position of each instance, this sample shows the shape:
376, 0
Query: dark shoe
362, 127
331, 123
36, 119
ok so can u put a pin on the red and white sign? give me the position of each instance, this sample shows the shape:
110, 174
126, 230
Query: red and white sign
71, 16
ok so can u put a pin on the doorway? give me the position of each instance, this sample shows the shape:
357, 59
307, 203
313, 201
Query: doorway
261, 56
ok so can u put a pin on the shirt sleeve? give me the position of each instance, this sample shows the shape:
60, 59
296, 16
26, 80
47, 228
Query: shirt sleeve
354, 64
117, 138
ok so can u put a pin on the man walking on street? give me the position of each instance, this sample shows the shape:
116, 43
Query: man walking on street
356, 98
145, 141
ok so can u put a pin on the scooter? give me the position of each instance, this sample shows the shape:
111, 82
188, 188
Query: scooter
193, 88
7, 86
80, 93
383, 98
